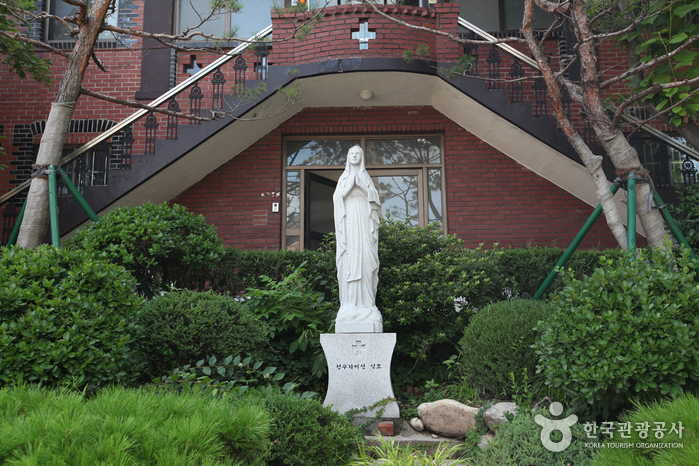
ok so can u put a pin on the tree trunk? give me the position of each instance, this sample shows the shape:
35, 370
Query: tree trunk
622, 154
36, 217
592, 162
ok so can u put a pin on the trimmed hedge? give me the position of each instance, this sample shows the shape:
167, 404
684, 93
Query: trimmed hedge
530, 266
498, 342
181, 328
305, 433
422, 274
160, 244
628, 331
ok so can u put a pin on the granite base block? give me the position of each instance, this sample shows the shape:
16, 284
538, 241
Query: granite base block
359, 371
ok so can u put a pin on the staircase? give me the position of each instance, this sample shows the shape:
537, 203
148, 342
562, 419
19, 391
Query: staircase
144, 145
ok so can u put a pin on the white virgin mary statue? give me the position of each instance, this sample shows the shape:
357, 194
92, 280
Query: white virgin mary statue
357, 205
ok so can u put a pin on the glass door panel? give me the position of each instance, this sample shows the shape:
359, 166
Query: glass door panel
400, 196
319, 216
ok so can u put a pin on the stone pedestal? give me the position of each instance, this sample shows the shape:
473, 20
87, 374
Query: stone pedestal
359, 371
358, 327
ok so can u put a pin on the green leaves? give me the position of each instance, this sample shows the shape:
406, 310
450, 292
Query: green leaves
295, 315
234, 377
660, 35
66, 318
160, 244
19, 55
498, 343
627, 331
180, 327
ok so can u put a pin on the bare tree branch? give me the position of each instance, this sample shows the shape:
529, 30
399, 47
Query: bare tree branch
37, 43
554, 8
78, 3
30, 15
437, 32
128, 103
98, 62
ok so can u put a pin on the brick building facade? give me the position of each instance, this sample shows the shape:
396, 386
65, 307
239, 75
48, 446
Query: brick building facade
505, 173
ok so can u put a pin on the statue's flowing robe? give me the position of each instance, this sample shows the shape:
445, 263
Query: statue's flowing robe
357, 207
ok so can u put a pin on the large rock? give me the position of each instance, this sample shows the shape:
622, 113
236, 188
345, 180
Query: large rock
495, 415
448, 418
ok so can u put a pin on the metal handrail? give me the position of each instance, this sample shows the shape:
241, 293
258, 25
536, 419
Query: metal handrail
140, 113
529, 61
506, 47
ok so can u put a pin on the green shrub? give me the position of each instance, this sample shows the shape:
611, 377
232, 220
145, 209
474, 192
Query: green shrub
627, 331
498, 342
518, 442
305, 433
239, 270
683, 410
118, 426
294, 316
183, 327
66, 318
429, 286
158, 243
686, 214
530, 266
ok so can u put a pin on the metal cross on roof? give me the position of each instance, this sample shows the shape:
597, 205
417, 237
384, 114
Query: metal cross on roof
363, 35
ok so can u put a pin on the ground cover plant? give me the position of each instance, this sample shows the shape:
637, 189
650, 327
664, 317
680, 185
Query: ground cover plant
388, 453
66, 318
628, 331
662, 437
496, 345
129, 427
518, 442
157, 243
183, 327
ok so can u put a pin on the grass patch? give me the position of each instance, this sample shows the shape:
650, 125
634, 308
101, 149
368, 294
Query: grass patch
127, 427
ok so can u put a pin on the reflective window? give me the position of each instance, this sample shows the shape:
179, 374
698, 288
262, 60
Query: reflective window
58, 31
318, 151
197, 15
403, 151
407, 173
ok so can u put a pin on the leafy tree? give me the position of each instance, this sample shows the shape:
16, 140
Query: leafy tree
20, 55
672, 30
664, 76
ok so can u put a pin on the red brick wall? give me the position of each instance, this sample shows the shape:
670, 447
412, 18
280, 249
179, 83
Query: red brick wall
332, 36
489, 197
23, 101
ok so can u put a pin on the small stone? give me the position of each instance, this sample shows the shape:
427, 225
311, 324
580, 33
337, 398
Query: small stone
495, 415
485, 439
448, 418
435, 436
386, 428
417, 424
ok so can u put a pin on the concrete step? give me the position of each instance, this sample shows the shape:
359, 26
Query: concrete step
405, 436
